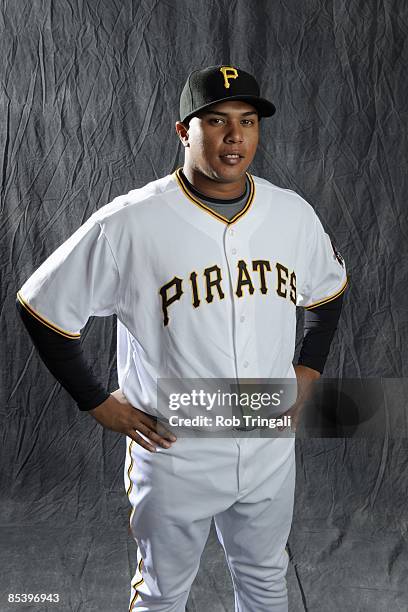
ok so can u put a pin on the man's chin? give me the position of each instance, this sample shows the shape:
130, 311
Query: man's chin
228, 175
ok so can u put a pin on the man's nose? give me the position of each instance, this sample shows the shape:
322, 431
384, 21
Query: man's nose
234, 133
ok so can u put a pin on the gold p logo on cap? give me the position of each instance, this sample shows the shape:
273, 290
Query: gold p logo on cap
228, 72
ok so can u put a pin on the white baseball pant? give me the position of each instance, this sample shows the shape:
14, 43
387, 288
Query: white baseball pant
245, 483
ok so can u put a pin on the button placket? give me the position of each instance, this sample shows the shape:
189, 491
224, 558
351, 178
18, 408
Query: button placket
241, 305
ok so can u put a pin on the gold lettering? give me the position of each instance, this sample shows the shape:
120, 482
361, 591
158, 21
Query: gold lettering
228, 72
167, 299
215, 282
243, 279
261, 265
283, 274
292, 293
194, 288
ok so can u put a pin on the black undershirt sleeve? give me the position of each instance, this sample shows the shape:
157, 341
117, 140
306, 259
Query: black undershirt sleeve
319, 327
65, 359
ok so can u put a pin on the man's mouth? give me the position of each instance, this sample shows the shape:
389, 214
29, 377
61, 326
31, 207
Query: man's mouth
231, 158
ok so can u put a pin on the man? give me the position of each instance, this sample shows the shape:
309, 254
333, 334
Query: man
204, 269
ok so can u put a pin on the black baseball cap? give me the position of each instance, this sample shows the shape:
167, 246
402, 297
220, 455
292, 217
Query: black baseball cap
220, 83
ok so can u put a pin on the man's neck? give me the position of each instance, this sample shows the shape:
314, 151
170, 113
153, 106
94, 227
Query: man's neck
212, 188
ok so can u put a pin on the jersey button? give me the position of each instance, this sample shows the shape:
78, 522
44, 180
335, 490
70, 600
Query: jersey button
245, 364
234, 251
231, 232
242, 319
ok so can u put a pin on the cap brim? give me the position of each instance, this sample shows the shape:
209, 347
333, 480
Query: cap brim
264, 107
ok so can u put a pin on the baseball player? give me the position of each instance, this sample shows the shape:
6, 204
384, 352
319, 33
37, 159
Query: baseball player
204, 269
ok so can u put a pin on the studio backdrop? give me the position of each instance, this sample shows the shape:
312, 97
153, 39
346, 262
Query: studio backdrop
88, 101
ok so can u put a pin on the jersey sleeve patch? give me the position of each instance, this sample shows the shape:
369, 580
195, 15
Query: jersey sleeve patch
337, 254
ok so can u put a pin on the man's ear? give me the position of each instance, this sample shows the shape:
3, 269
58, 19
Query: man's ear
182, 132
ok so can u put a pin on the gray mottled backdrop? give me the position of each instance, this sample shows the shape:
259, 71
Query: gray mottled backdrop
88, 100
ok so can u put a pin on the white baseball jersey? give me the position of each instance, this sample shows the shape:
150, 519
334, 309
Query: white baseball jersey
195, 296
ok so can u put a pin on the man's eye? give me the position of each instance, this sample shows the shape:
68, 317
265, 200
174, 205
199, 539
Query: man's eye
247, 122
217, 121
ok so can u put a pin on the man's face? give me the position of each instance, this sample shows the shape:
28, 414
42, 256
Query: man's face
222, 141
